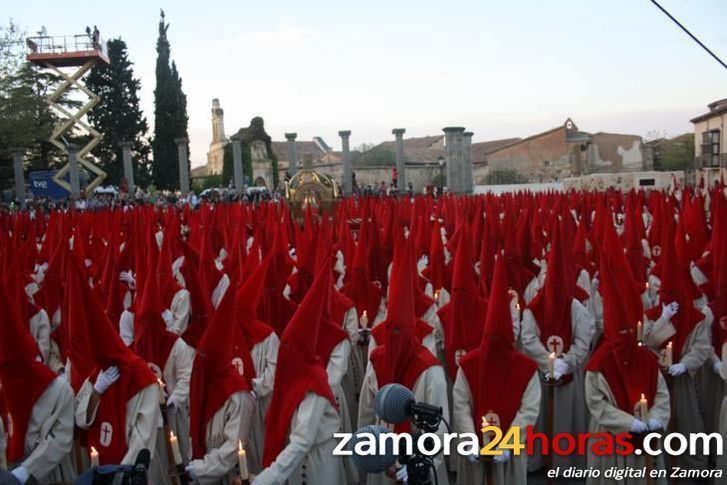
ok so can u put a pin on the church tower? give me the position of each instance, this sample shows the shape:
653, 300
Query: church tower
216, 155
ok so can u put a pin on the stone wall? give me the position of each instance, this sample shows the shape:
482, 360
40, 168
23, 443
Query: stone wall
611, 152
543, 158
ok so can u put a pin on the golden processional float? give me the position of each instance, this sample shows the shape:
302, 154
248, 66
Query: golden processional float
308, 188
71, 58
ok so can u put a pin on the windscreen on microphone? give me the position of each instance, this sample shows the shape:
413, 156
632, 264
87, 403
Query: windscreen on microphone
376, 460
392, 403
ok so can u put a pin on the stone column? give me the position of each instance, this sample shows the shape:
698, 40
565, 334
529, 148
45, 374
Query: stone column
183, 164
292, 156
453, 153
237, 164
128, 167
73, 172
347, 169
400, 165
468, 183
18, 174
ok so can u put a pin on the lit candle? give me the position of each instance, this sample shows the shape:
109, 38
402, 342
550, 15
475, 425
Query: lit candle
175, 448
364, 320
669, 357
643, 407
640, 331
242, 458
94, 457
485, 435
162, 396
551, 365
436, 296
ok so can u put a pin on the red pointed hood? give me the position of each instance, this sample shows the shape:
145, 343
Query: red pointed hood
497, 395
214, 379
462, 318
23, 378
675, 279
96, 346
299, 370
359, 287
400, 357
551, 307
629, 368
152, 341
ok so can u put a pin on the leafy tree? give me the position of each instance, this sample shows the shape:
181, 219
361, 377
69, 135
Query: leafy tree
26, 119
118, 116
504, 176
675, 153
170, 114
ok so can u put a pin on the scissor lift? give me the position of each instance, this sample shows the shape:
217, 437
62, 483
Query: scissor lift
71, 57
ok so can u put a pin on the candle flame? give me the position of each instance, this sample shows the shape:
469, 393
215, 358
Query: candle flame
643, 396
93, 450
552, 355
669, 345
239, 444
171, 435
364, 314
484, 422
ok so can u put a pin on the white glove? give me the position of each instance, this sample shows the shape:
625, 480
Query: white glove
128, 278
254, 395
677, 369
422, 263
560, 369
504, 458
655, 425
191, 469
168, 317
87, 262
638, 427
668, 311
717, 367
21, 474
402, 475
106, 378
172, 403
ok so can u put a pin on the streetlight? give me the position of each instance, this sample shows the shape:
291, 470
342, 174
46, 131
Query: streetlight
440, 162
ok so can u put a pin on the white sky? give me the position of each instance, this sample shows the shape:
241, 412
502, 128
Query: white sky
501, 69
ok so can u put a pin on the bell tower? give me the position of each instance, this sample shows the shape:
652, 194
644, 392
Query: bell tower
216, 155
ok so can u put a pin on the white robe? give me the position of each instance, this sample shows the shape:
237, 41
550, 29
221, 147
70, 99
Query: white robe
336, 370
229, 426
181, 308
308, 456
40, 330
607, 417
142, 418
569, 414
49, 436
515, 470
265, 358
430, 387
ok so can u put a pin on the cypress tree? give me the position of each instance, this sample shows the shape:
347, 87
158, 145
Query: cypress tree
170, 114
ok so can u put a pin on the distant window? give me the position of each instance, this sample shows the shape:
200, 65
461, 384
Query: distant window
710, 147
647, 182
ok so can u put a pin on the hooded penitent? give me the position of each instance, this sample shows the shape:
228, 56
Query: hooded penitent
552, 305
359, 287
95, 346
299, 370
250, 330
629, 368
462, 318
23, 378
214, 378
497, 374
400, 357
152, 341
676, 286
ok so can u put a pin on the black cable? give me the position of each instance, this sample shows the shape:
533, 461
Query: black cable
689, 33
